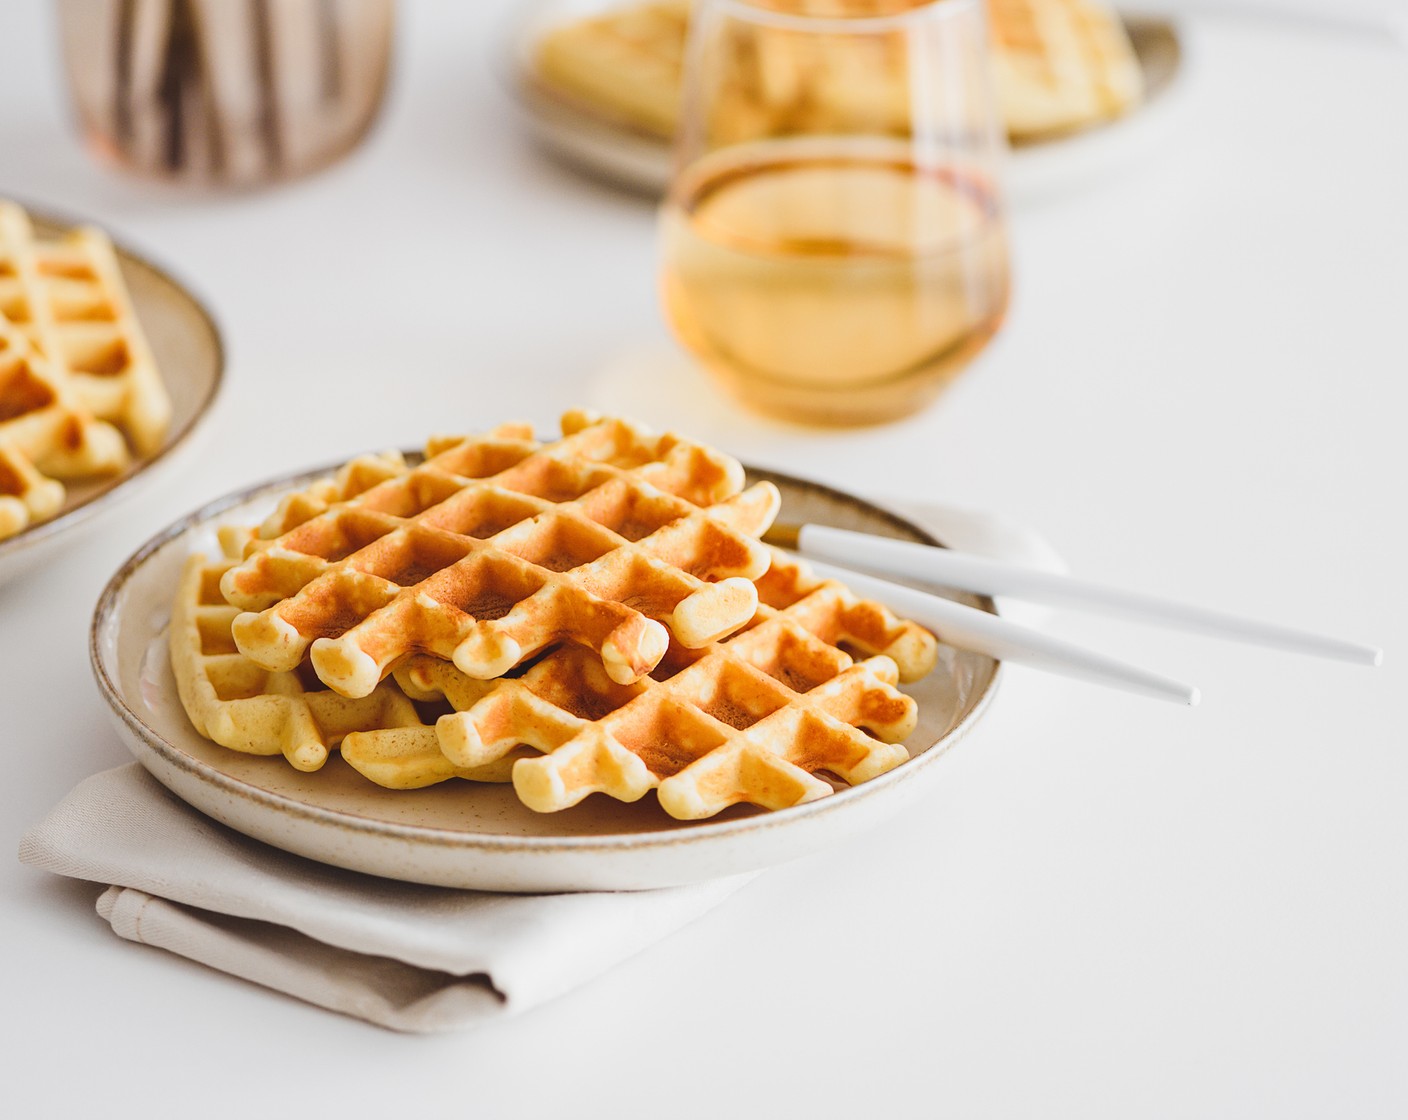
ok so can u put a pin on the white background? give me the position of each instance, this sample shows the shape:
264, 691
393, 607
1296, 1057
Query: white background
1112, 907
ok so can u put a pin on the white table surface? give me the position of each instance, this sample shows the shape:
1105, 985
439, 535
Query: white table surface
1112, 907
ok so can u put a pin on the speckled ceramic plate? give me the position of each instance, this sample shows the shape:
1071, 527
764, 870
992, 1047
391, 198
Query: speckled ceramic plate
640, 161
191, 358
475, 835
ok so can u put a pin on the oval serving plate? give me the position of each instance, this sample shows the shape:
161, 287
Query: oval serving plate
477, 835
639, 161
190, 354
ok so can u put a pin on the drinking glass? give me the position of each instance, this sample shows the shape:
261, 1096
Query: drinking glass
834, 247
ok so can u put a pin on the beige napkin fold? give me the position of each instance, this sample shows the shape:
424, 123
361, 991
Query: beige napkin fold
404, 956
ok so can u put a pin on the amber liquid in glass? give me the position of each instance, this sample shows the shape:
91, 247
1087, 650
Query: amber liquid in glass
835, 287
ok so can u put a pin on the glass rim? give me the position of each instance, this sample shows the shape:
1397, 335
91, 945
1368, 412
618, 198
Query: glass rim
755, 12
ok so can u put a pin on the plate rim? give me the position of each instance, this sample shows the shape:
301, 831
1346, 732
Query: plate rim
105, 615
39, 532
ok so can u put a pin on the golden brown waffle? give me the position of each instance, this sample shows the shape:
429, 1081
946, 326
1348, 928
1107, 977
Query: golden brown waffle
45, 435
67, 295
496, 547
626, 62
412, 758
235, 703
750, 719
1059, 65
353, 478
26, 496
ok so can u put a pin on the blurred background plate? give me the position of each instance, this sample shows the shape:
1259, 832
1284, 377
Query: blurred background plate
1042, 168
637, 160
190, 355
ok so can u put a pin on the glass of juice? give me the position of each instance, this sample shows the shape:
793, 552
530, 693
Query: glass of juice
833, 240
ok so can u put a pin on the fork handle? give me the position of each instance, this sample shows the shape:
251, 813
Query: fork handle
960, 571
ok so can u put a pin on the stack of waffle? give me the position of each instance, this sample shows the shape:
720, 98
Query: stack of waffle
590, 614
79, 391
1059, 66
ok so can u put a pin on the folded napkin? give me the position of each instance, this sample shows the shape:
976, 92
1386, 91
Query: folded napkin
408, 957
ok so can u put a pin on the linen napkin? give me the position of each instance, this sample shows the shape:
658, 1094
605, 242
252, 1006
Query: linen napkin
404, 956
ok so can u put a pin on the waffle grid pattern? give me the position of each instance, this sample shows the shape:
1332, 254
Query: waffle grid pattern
74, 369
495, 548
754, 718
45, 435
67, 295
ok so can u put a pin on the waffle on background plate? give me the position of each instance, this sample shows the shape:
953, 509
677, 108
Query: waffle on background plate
80, 394
1059, 66
589, 614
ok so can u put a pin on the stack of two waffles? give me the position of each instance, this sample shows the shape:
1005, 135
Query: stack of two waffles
591, 614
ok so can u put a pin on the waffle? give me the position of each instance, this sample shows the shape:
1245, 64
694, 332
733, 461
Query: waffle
74, 369
412, 758
236, 704
1059, 65
626, 63
67, 295
750, 719
498, 546
26, 496
351, 479
45, 435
